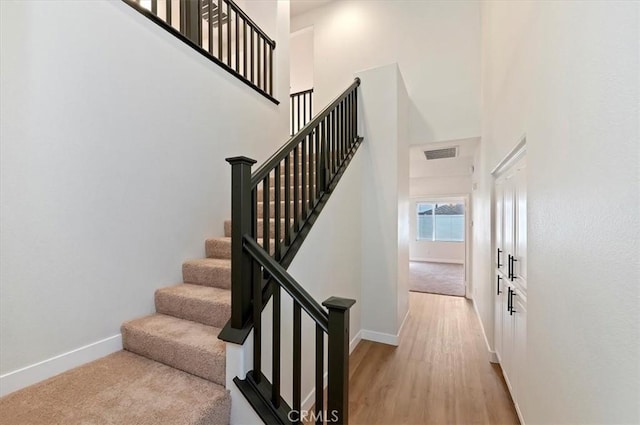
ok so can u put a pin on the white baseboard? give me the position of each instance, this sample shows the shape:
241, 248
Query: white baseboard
308, 402
355, 341
436, 260
493, 357
380, 337
406, 316
45, 369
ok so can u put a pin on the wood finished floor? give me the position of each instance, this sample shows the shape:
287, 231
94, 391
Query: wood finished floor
439, 374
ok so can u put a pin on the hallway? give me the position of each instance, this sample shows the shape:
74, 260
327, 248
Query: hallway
440, 373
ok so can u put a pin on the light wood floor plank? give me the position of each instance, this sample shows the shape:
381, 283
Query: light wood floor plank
439, 374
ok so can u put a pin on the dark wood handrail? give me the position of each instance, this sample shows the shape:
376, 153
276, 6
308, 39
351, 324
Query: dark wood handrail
288, 283
295, 140
298, 93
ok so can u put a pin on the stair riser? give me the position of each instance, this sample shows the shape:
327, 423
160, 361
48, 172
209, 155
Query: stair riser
222, 248
172, 353
216, 248
207, 276
208, 313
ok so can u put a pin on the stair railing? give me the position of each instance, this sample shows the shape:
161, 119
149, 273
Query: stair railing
301, 105
221, 31
302, 173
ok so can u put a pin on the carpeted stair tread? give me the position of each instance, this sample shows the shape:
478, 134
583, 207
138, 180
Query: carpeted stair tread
208, 272
121, 388
221, 247
203, 304
218, 248
185, 345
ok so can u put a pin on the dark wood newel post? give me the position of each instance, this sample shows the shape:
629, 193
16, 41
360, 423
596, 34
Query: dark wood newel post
241, 261
338, 359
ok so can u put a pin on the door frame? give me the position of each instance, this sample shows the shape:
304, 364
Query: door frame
465, 198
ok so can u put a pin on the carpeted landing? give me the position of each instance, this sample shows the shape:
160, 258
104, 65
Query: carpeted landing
172, 368
437, 278
122, 388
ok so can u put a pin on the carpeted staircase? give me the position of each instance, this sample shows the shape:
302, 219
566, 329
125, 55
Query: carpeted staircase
172, 368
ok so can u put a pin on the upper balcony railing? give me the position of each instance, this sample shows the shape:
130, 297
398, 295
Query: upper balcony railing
301, 105
221, 31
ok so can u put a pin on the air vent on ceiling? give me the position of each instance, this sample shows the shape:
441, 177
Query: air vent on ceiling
441, 153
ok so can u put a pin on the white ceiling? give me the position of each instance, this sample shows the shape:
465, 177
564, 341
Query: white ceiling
458, 166
298, 7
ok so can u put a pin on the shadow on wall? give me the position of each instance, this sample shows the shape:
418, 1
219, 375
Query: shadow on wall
418, 125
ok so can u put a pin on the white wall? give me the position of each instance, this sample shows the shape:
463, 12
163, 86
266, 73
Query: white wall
440, 186
301, 60
113, 140
385, 203
435, 43
566, 75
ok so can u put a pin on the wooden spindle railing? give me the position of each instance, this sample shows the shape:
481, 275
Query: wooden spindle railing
221, 31
301, 106
273, 210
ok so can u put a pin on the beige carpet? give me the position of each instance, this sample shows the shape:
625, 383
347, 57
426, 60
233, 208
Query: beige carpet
173, 369
436, 278
122, 388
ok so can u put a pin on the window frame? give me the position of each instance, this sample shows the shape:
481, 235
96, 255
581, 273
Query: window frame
435, 204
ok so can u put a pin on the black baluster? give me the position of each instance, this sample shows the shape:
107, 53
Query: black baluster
244, 48
275, 367
209, 24
220, 53
277, 215
252, 56
237, 43
319, 406
229, 35
303, 184
287, 199
296, 189
297, 359
266, 187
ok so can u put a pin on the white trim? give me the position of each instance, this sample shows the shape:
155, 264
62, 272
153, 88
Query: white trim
519, 413
513, 156
310, 399
493, 357
406, 316
355, 341
380, 337
45, 369
436, 260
